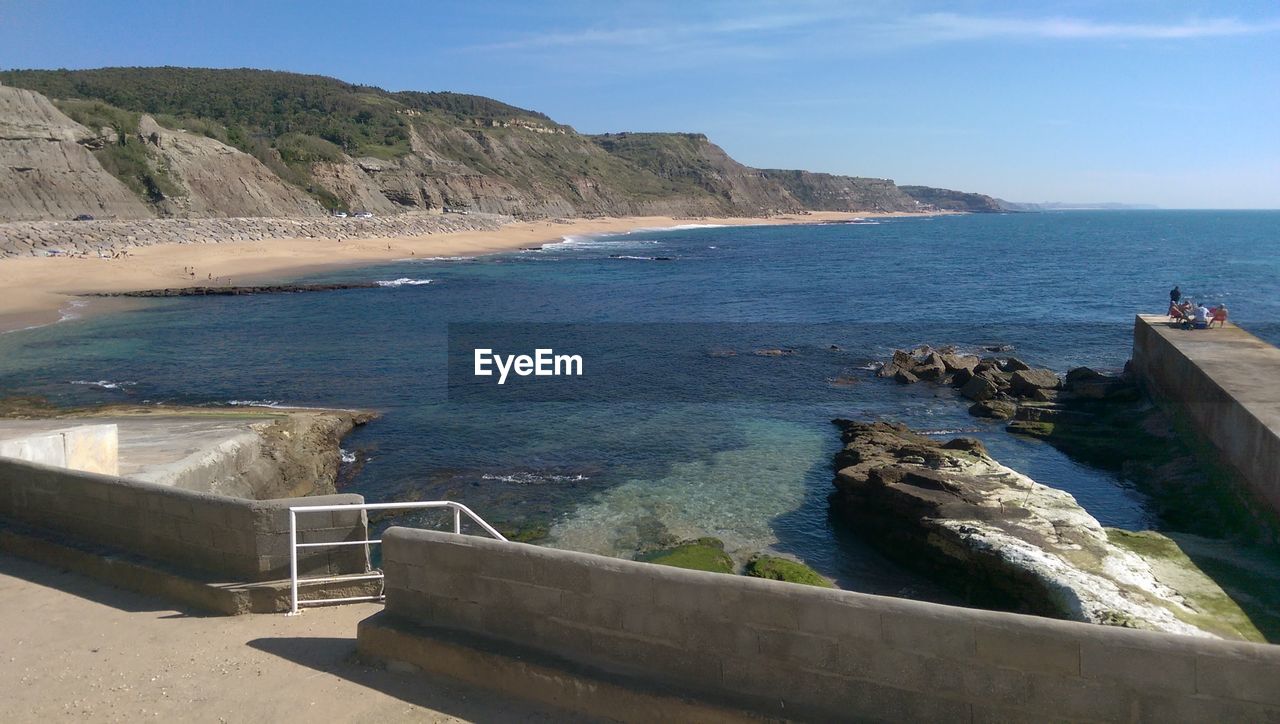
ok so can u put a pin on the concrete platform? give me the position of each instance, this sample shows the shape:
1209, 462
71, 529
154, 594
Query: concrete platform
75, 649
1227, 383
159, 449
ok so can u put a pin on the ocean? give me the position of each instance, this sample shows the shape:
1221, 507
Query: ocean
715, 359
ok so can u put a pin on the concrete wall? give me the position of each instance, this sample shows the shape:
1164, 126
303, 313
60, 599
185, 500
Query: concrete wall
811, 653
1227, 382
231, 538
91, 448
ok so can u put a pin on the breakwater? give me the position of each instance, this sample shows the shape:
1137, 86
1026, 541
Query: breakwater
578, 623
51, 238
1226, 383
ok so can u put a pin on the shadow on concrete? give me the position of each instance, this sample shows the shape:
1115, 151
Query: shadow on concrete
337, 657
90, 589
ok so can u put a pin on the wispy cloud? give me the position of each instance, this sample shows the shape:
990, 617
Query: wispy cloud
939, 27
882, 31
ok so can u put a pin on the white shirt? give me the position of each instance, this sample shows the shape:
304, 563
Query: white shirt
1202, 313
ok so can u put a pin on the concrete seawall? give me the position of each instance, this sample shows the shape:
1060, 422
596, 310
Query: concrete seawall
90, 448
1227, 383
228, 539
785, 650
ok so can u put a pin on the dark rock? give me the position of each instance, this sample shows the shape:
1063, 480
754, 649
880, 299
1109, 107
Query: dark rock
931, 369
961, 377
901, 361
236, 291
903, 377
1043, 395
979, 388
1024, 383
956, 362
1013, 364
987, 364
993, 409
966, 444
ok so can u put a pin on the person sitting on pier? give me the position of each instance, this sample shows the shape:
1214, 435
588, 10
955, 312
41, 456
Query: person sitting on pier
1219, 316
1175, 312
1201, 317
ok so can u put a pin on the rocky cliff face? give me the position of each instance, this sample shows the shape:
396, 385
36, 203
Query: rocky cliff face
279, 144
949, 200
47, 168
218, 180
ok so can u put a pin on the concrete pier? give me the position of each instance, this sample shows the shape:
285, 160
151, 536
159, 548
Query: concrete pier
1227, 382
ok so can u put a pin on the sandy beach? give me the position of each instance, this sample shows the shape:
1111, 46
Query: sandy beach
43, 290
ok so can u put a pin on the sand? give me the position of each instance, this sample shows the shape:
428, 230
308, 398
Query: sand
42, 290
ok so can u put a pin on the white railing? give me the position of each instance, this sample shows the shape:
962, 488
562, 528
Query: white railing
458, 511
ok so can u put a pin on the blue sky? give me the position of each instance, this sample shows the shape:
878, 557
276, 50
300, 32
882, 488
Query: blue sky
1146, 101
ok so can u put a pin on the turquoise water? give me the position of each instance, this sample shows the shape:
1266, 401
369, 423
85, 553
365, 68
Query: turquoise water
692, 441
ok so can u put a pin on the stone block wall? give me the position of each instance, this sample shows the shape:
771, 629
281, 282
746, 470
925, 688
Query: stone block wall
230, 539
809, 653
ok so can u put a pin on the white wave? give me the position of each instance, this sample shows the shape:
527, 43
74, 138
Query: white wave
641, 258
403, 282
534, 478
346, 455
254, 403
686, 227
68, 313
438, 258
103, 384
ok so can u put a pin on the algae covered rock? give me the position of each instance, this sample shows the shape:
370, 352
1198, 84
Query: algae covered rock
999, 537
776, 568
701, 554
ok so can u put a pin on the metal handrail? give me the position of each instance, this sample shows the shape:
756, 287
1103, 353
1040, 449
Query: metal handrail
458, 510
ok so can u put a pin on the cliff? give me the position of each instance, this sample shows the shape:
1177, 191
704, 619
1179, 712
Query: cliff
949, 200
191, 142
47, 166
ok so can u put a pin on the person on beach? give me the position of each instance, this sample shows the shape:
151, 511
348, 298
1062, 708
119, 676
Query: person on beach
1175, 295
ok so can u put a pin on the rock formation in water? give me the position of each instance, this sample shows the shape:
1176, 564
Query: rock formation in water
951, 510
997, 386
233, 291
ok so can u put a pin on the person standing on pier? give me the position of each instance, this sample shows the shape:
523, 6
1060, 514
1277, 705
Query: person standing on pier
1175, 294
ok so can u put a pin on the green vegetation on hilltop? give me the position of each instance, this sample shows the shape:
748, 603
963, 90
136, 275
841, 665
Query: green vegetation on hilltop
257, 104
123, 155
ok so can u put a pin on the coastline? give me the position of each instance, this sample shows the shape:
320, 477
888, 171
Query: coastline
45, 290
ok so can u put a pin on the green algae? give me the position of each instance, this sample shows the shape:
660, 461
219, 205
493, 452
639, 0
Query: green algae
702, 554
775, 568
1209, 606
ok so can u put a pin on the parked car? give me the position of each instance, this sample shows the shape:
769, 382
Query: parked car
340, 214
83, 217
363, 215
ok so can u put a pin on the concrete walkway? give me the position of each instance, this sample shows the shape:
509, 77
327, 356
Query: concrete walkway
77, 649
